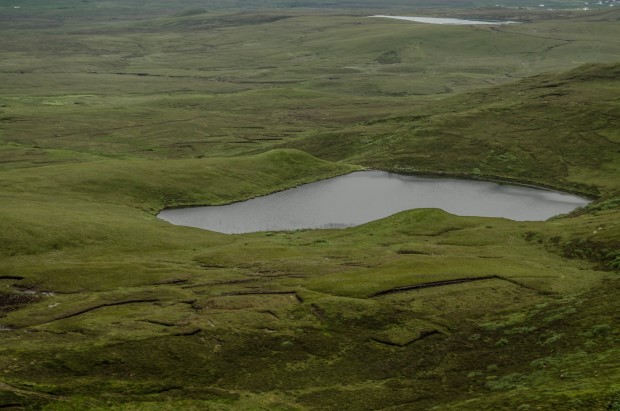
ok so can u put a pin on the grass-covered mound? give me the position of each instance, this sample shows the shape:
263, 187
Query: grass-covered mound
307, 319
104, 210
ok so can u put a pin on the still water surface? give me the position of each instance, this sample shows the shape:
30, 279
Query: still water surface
365, 196
437, 20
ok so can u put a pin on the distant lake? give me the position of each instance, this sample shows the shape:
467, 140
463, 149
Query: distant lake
365, 196
437, 20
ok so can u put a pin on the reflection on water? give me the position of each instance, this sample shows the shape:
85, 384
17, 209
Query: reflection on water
365, 196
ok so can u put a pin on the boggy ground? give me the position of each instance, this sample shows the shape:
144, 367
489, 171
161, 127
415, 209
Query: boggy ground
301, 319
105, 307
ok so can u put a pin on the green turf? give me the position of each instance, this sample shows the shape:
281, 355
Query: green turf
112, 111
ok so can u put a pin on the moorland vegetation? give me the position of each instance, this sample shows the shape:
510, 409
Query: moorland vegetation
111, 111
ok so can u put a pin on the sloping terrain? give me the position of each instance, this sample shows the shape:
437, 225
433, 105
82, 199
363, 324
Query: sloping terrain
416, 310
557, 130
548, 129
105, 307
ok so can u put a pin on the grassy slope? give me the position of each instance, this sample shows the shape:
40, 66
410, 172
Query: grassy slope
213, 84
500, 134
109, 206
144, 315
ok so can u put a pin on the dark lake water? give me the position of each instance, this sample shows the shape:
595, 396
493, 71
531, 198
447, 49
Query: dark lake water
365, 196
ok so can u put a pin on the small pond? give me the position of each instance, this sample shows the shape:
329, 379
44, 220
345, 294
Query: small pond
437, 20
364, 196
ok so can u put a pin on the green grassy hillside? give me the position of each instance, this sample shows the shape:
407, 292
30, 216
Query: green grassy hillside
548, 129
557, 130
105, 307
230, 84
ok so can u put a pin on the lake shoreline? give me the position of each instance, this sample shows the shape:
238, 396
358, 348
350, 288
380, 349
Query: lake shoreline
493, 179
367, 195
419, 173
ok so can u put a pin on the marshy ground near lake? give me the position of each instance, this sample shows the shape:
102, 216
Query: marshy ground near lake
112, 111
